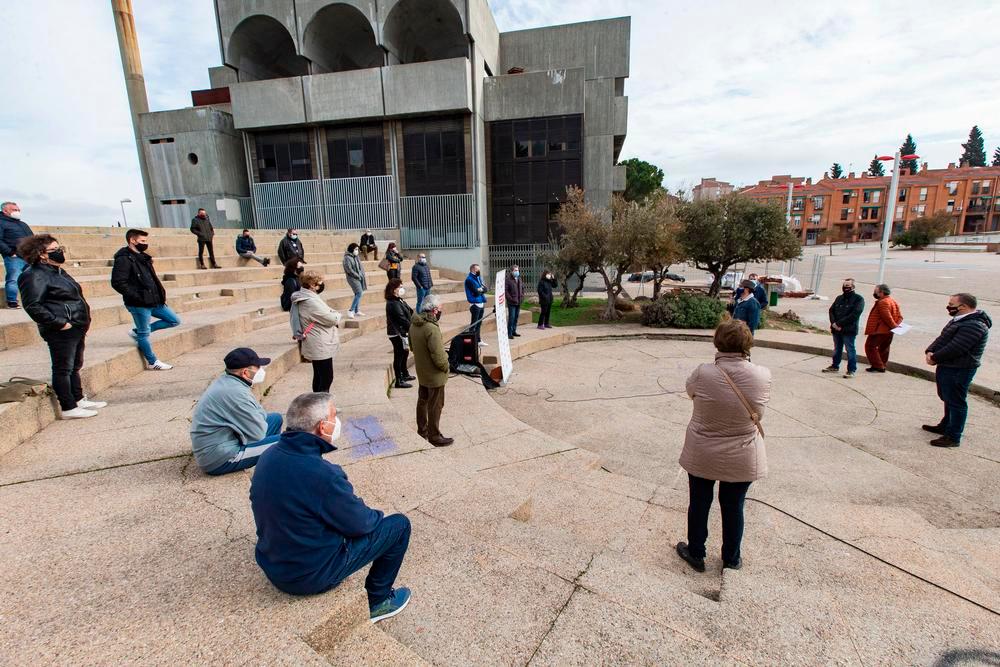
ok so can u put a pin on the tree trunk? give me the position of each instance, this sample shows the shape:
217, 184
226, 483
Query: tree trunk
657, 286
713, 291
610, 312
576, 293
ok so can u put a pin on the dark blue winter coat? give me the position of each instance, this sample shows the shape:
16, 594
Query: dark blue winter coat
306, 512
748, 310
245, 244
12, 231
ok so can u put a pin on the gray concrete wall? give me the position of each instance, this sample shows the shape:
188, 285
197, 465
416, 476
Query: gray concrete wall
232, 12
601, 47
343, 96
270, 103
221, 77
431, 87
533, 95
485, 34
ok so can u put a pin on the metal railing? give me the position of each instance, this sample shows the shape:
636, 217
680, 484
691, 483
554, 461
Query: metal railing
525, 255
438, 221
285, 204
366, 202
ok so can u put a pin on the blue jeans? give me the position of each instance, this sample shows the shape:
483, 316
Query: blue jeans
13, 267
841, 341
165, 319
421, 293
953, 389
250, 452
356, 303
512, 313
731, 498
384, 548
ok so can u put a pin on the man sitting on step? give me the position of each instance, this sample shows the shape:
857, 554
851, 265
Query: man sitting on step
312, 531
229, 429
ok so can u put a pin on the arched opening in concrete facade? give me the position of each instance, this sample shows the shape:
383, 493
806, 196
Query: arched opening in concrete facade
340, 38
420, 30
261, 48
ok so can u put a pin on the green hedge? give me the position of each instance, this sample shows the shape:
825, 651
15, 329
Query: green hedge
683, 311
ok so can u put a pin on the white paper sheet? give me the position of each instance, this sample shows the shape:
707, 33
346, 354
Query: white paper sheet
902, 329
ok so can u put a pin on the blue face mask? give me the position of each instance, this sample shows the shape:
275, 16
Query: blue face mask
516, 274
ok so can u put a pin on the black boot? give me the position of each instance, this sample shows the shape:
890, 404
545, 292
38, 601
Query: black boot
401, 383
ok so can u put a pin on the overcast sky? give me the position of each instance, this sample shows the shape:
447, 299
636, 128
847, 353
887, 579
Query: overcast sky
735, 90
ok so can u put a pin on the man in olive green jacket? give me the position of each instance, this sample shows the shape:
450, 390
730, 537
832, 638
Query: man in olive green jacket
432, 370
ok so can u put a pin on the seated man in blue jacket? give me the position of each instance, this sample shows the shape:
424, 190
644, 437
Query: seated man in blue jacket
747, 307
247, 248
312, 531
229, 428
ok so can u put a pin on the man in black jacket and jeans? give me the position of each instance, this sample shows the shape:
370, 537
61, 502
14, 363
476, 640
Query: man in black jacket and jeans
845, 314
134, 277
956, 354
12, 232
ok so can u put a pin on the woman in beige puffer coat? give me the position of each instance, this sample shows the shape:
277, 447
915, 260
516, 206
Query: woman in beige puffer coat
315, 324
723, 442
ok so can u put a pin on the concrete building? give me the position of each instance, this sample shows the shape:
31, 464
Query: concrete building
417, 118
854, 208
711, 189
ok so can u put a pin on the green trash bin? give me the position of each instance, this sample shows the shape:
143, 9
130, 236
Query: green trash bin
774, 298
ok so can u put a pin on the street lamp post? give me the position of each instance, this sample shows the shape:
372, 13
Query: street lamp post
890, 207
122, 203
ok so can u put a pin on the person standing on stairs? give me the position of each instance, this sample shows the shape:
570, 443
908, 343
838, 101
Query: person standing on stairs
475, 294
229, 429
355, 272
420, 274
398, 315
202, 228
12, 231
314, 325
394, 262
290, 246
313, 531
290, 281
432, 366
55, 302
134, 277
247, 249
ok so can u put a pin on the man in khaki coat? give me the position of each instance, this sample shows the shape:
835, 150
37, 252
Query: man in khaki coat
432, 370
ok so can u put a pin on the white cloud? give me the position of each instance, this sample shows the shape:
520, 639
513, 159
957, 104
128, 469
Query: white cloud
729, 89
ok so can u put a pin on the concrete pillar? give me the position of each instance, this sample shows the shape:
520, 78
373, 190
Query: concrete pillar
135, 87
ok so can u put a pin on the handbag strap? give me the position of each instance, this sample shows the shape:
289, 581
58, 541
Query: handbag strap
754, 417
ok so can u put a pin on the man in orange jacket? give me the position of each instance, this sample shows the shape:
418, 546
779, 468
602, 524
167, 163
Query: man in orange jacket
883, 318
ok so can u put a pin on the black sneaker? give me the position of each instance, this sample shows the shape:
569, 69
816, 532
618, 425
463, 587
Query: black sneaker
698, 564
872, 369
733, 566
12, 305
944, 441
402, 384
933, 429
832, 369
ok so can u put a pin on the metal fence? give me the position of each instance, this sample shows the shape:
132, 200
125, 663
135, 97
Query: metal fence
438, 221
287, 204
525, 255
367, 202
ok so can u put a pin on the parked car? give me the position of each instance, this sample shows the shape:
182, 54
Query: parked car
648, 276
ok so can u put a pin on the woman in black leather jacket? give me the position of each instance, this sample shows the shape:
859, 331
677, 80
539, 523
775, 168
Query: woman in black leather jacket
397, 315
55, 302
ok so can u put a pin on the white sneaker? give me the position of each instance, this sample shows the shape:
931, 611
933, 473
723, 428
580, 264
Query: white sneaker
159, 366
359, 313
351, 314
483, 344
77, 413
91, 405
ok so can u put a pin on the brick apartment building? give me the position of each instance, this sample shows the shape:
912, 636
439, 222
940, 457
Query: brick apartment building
711, 189
854, 208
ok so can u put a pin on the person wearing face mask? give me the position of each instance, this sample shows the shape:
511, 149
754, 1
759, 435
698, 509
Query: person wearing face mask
356, 278
247, 249
885, 316
229, 428
367, 245
55, 302
290, 281
314, 325
845, 316
394, 262
547, 285
513, 295
398, 315
202, 228
431, 362
420, 274
12, 231
134, 277
313, 531
290, 246
956, 355
475, 294
747, 307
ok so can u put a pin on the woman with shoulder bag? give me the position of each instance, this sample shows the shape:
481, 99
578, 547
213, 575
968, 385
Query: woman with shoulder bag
55, 302
393, 262
314, 325
397, 315
724, 442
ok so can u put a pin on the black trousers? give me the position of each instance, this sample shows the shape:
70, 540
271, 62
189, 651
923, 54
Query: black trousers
399, 356
202, 244
392, 274
476, 319
322, 374
543, 317
731, 498
66, 351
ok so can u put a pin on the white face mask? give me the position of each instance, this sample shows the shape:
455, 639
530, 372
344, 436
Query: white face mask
294, 237
16, 215
401, 292
356, 252
333, 437
423, 260
259, 376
